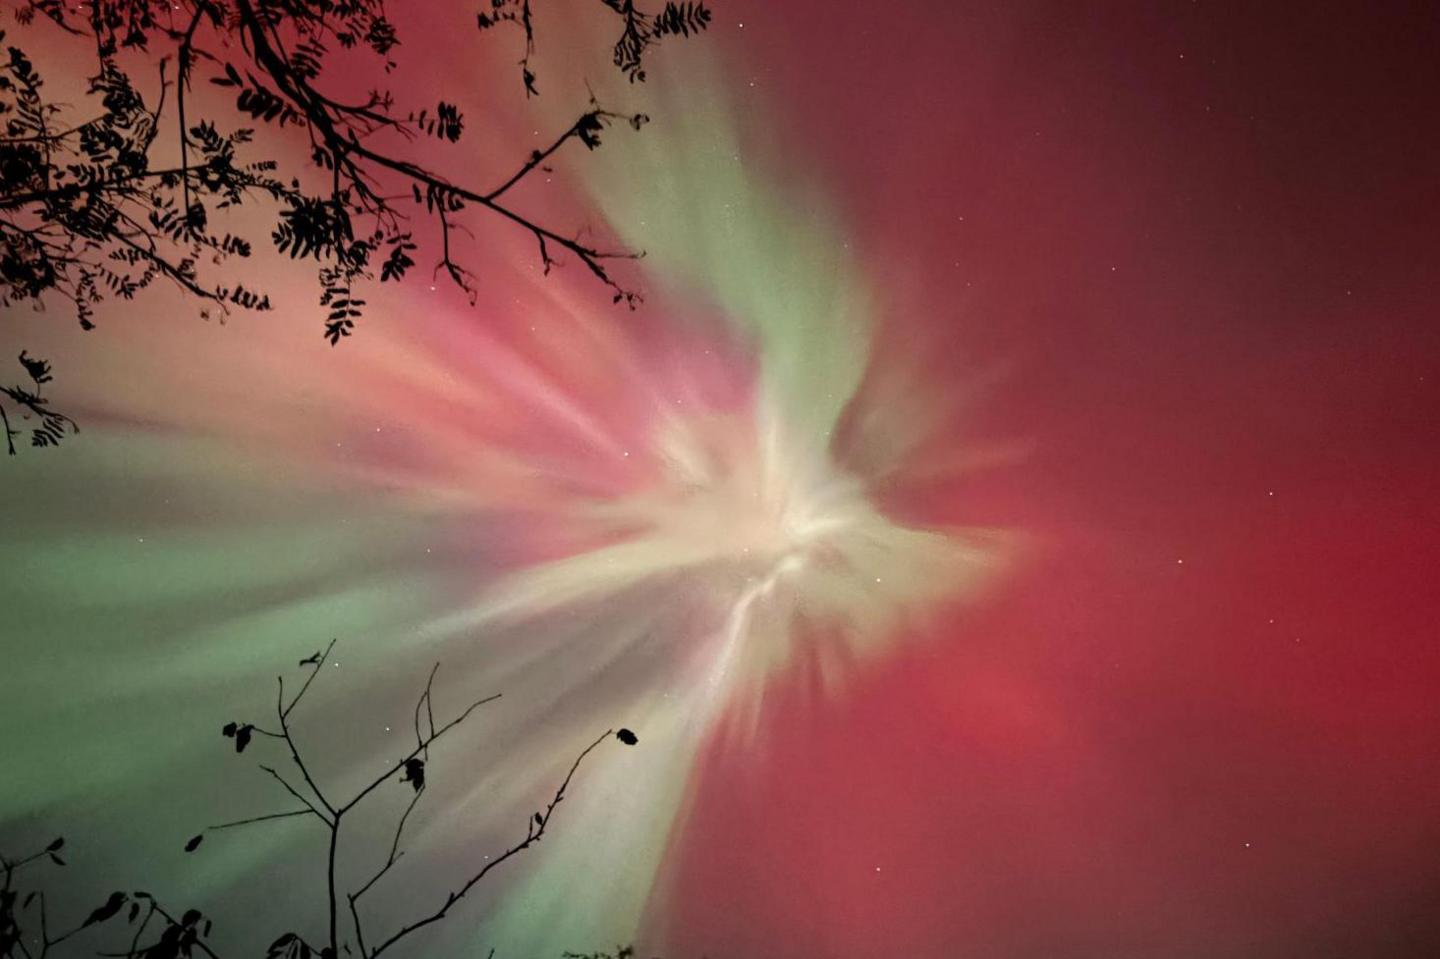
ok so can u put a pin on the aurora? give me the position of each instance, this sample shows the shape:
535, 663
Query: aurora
1003, 525
606, 516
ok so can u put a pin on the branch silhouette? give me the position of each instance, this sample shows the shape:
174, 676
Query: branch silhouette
25, 923
50, 424
178, 939
90, 213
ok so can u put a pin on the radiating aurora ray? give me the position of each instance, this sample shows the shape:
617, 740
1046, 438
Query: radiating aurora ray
613, 518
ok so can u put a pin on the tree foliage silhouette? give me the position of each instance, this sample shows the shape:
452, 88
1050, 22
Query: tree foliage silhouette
91, 211
151, 931
50, 425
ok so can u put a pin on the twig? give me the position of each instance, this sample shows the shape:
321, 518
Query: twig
265, 818
534, 831
292, 791
314, 671
182, 83
417, 751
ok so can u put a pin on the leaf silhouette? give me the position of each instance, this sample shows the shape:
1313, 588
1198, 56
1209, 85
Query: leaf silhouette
280, 945
39, 370
240, 732
107, 911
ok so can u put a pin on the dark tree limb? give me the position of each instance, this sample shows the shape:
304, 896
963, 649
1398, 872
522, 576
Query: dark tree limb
535, 830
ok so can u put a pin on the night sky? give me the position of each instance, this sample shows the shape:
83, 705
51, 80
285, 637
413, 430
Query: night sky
1101, 337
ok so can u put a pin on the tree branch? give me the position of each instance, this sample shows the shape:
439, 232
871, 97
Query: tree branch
535, 829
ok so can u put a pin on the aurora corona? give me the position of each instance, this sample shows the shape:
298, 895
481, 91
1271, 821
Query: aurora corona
610, 517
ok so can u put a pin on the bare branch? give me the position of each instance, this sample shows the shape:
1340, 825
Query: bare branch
314, 671
292, 791
374, 784
265, 818
535, 830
